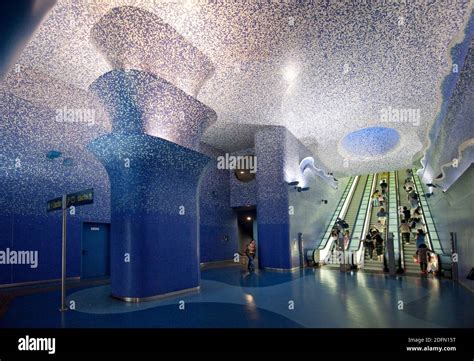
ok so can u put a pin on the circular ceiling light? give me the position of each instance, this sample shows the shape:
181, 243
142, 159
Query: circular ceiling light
290, 72
371, 142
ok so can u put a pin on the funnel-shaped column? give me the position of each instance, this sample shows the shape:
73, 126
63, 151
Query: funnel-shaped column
154, 238
133, 38
154, 182
140, 102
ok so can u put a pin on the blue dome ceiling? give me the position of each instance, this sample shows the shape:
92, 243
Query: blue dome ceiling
371, 142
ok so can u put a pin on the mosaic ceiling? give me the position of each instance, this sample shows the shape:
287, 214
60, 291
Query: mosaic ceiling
322, 69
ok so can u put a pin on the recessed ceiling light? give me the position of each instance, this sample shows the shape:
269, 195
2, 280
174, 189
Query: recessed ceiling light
290, 72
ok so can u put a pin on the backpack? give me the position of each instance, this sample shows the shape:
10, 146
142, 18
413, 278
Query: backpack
415, 196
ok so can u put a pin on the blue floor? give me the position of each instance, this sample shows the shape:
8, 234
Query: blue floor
230, 297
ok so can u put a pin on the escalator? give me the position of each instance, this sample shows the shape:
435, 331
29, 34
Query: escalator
372, 264
319, 254
338, 210
441, 260
430, 227
350, 216
357, 231
354, 207
408, 249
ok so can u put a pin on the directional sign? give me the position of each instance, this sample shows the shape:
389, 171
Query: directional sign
54, 204
80, 198
72, 199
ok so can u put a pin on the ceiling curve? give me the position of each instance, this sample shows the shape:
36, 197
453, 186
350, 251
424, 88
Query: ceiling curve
321, 69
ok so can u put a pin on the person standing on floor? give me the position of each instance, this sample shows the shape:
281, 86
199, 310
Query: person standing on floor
251, 251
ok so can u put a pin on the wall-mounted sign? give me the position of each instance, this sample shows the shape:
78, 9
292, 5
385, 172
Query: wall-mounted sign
72, 199
80, 198
54, 204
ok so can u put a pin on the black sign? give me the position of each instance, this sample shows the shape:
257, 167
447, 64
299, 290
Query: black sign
72, 199
54, 204
80, 198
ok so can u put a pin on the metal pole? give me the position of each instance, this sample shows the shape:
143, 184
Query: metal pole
391, 254
454, 250
63, 258
300, 249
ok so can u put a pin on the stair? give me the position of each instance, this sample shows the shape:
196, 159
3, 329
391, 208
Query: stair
336, 213
373, 265
353, 209
409, 251
350, 218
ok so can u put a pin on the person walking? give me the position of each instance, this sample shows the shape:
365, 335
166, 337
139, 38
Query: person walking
423, 253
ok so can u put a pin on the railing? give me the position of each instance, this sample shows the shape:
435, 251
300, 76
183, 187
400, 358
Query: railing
393, 219
360, 252
337, 211
359, 223
431, 233
325, 248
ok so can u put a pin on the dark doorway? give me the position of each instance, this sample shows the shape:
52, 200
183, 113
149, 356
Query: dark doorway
95, 250
247, 226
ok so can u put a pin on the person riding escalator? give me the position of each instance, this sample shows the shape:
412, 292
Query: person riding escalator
379, 246
369, 242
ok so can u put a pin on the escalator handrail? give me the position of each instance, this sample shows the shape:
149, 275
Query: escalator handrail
423, 214
348, 248
387, 226
400, 240
368, 217
343, 210
344, 195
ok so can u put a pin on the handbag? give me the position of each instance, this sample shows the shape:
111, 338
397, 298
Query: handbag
416, 259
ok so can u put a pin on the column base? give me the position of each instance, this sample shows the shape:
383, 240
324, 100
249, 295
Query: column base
282, 269
157, 297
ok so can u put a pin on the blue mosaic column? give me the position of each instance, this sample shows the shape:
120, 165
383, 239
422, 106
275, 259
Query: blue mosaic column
154, 182
273, 201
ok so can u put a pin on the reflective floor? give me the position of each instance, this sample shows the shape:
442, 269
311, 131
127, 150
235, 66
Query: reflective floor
231, 297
